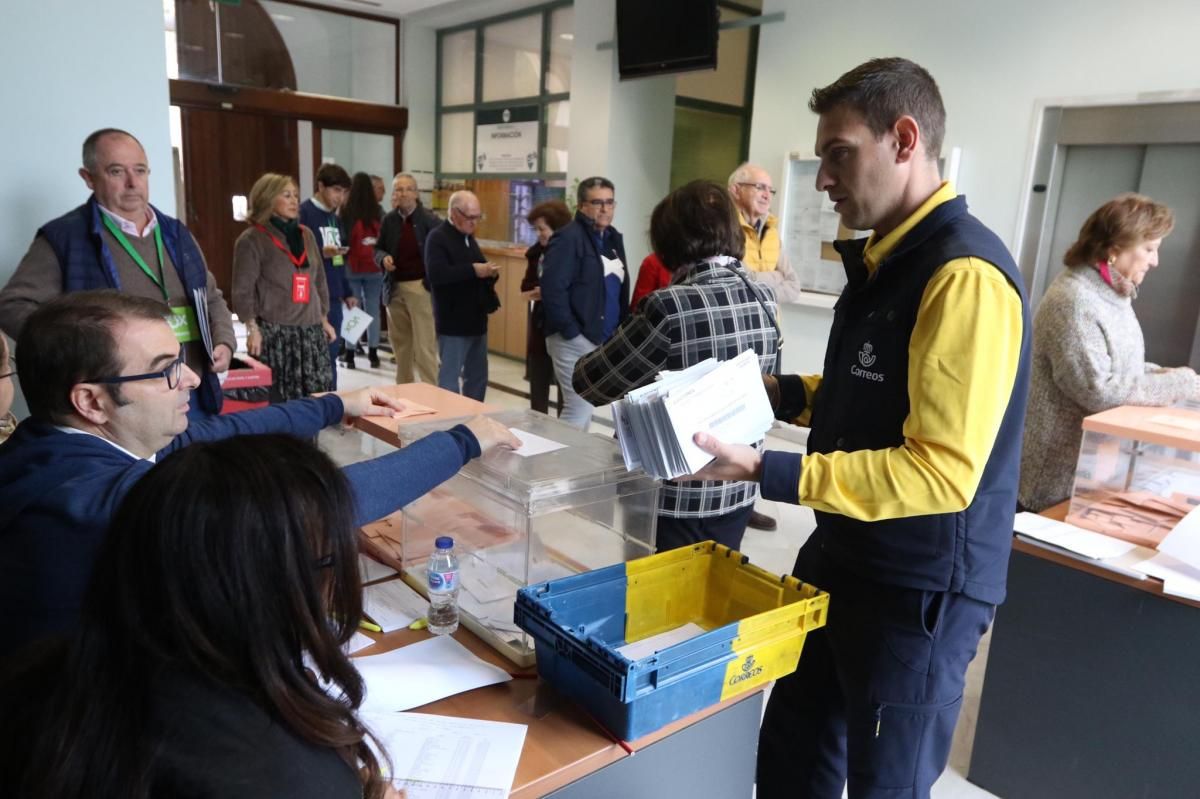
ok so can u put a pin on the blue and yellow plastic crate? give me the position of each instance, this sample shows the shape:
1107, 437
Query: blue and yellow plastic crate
755, 624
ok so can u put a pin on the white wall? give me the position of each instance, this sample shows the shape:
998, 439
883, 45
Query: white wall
43, 132
418, 93
72, 68
621, 130
992, 64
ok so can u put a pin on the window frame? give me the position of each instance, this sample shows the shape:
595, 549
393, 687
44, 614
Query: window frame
542, 99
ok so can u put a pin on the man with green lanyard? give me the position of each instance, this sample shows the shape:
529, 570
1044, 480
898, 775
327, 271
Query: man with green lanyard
118, 240
319, 214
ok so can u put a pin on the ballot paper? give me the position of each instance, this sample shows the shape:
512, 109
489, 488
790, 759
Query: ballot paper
443, 757
1179, 579
393, 605
655, 423
421, 673
358, 641
532, 444
656, 643
1183, 542
355, 322
372, 570
1069, 537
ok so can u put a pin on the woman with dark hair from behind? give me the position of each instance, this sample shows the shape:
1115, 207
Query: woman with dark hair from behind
227, 566
360, 215
710, 310
546, 218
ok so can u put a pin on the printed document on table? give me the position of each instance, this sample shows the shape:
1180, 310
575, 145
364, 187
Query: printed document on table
393, 605
442, 757
421, 673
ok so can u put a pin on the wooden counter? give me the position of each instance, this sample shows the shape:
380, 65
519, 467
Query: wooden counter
1151, 585
508, 327
563, 744
1090, 688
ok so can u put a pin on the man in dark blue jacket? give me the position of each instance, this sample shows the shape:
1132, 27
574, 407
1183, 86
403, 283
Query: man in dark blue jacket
585, 289
108, 392
912, 458
118, 240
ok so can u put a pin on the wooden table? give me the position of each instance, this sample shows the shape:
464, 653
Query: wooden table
1090, 688
567, 755
448, 404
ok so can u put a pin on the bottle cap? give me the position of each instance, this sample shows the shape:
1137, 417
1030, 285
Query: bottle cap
444, 542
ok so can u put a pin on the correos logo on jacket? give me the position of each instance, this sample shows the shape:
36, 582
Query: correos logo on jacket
866, 357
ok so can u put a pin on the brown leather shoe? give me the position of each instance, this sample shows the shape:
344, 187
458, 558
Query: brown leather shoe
761, 521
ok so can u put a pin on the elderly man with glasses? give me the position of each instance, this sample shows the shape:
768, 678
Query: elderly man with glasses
585, 289
108, 392
752, 192
464, 293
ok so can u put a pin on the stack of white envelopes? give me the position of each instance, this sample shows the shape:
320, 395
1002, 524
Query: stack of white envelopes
656, 422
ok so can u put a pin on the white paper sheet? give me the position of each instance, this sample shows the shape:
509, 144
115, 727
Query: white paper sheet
655, 643
372, 570
393, 605
656, 422
355, 322
532, 444
1068, 536
1183, 542
421, 673
1179, 579
358, 641
442, 757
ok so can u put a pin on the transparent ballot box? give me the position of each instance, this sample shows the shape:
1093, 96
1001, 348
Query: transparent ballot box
522, 519
1138, 472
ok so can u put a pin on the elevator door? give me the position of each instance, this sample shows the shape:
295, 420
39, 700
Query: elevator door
1168, 303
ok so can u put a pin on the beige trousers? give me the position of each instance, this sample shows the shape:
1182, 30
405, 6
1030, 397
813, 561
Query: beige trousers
410, 330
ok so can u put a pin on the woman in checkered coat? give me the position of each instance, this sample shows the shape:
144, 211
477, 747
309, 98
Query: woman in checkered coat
711, 309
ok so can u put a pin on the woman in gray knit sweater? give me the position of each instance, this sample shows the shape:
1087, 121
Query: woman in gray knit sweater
1088, 350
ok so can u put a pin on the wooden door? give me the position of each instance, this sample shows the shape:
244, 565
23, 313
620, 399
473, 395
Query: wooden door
224, 152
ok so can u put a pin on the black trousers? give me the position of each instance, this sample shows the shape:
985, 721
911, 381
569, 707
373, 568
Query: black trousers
877, 693
727, 529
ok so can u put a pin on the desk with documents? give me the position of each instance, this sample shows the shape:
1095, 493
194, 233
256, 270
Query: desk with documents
1090, 688
567, 756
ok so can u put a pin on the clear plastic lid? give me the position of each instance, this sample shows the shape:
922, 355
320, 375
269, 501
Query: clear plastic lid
584, 461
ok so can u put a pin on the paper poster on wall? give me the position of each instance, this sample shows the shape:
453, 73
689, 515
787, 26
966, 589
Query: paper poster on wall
809, 225
506, 140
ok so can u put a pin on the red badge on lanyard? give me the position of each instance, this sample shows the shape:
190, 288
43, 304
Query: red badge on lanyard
300, 288
301, 281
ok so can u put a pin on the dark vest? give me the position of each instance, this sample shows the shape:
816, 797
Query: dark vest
87, 264
863, 402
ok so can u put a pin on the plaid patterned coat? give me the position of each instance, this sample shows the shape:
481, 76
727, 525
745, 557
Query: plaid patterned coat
711, 312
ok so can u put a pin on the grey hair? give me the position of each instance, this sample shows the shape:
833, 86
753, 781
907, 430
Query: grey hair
89, 145
457, 196
742, 173
408, 175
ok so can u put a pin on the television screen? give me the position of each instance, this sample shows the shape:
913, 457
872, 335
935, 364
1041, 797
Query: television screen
661, 36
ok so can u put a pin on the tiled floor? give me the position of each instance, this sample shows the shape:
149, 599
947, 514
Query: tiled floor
774, 551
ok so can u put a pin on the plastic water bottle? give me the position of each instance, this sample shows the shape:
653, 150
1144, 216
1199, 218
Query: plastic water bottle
442, 575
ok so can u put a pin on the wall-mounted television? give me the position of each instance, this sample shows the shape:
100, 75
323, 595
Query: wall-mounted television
656, 37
